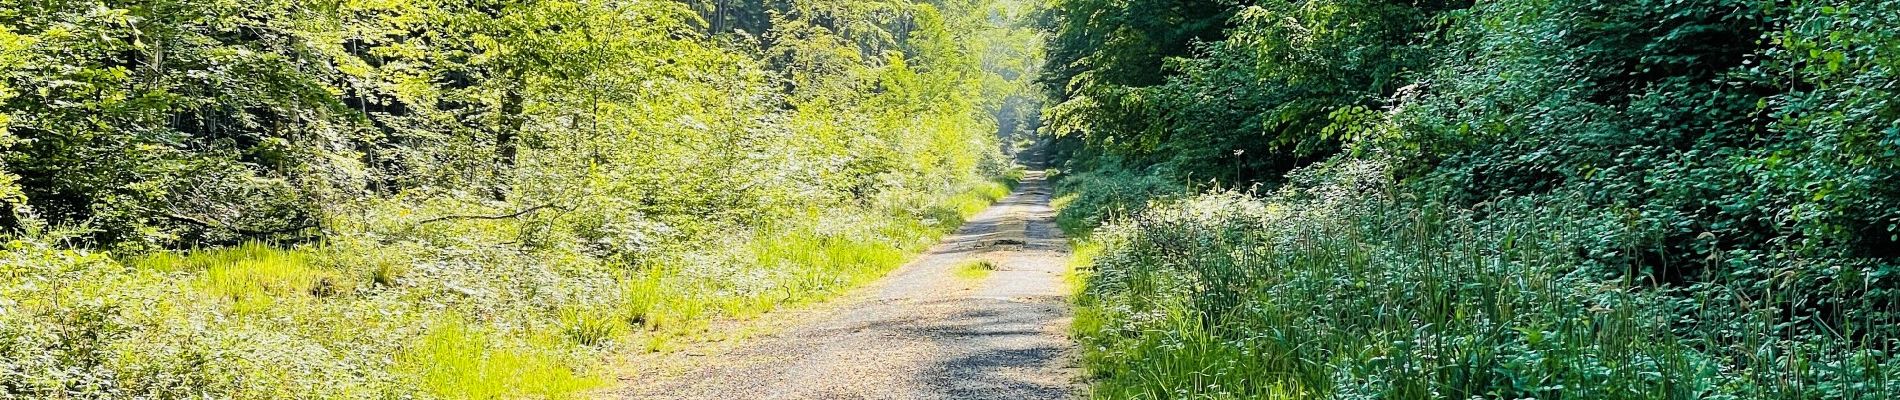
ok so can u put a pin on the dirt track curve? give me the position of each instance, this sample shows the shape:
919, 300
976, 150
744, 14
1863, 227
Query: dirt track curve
920, 333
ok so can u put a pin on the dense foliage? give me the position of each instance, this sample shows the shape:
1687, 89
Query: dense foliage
465, 199
1336, 288
1724, 165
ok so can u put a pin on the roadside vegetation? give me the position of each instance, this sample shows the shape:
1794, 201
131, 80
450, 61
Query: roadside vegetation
974, 270
467, 200
1503, 199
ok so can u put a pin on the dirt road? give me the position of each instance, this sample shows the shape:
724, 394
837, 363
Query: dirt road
924, 332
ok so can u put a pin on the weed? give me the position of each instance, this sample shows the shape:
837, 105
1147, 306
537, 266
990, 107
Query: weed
974, 270
590, 327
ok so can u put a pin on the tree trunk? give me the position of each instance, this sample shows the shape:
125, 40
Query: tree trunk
508, 134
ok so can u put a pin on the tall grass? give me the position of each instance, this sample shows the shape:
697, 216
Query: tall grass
1342, 289
458, 361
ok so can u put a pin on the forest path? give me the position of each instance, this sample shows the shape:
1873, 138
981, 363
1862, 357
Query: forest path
922, 332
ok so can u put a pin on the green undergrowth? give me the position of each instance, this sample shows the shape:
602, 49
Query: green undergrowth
1341, 286
466, 309
1088, 199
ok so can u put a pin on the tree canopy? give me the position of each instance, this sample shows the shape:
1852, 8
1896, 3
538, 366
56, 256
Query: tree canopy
173, 123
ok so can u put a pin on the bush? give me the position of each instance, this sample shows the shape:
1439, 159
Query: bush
1088, 199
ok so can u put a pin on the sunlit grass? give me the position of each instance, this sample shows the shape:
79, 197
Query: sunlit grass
252, 275
974, 270
1075, 273
978, 197
591, 327
457, 361
812, 264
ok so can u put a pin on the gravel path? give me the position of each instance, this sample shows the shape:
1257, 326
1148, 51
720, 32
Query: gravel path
920, 333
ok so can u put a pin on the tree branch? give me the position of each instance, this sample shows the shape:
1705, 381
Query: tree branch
524, 211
